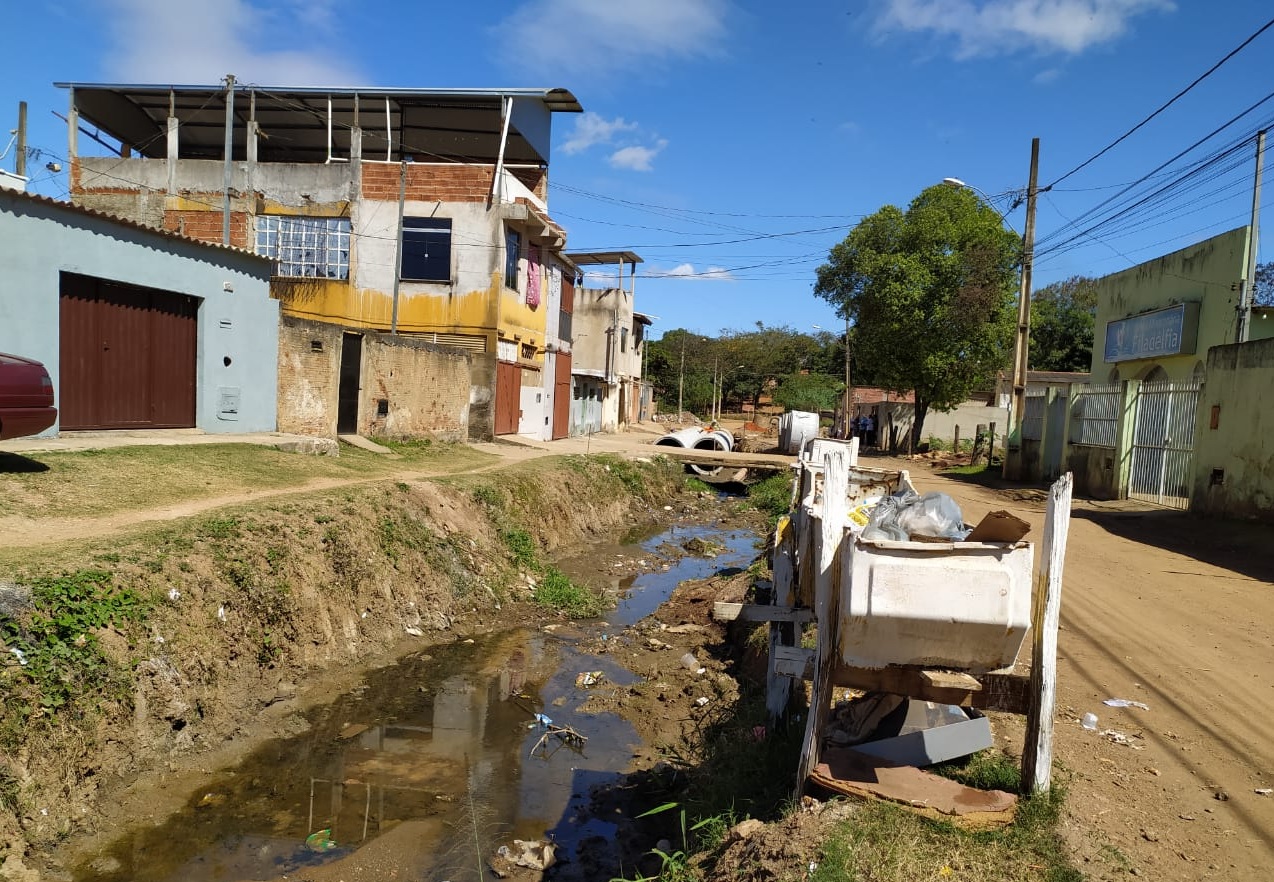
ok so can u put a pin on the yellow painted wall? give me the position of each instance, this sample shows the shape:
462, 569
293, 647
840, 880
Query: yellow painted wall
1208, 272
1240, 387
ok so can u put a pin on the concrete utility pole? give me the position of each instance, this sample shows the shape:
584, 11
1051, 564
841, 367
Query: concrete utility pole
20, 160
1248, 295
1021, 348
847, 418
398, 248
229, 160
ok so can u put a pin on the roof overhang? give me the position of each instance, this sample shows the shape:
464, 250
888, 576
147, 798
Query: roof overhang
645, 318
603, 258
313, 124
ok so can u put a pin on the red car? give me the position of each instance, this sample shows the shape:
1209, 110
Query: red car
26, 397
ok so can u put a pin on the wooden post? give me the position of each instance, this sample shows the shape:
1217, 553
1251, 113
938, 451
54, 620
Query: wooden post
827, 587
990, 444
778, 687
1037, 754
955, 445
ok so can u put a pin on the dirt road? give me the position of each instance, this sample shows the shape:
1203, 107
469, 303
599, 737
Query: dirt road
1175, 612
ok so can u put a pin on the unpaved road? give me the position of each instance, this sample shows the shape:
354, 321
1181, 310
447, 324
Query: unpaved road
1176, 612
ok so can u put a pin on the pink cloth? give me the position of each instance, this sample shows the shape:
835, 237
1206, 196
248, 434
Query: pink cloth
533, 276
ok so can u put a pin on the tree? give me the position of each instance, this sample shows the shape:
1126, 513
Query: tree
809, 392
1263, 290
1062, 317
930, 291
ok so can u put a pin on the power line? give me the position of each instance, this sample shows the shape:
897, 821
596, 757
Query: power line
1168, 104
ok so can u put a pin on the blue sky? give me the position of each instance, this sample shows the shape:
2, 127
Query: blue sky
732, 144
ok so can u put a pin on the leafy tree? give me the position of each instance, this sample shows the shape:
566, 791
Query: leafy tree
930, 291
1062, 317
809, 392
1263, 291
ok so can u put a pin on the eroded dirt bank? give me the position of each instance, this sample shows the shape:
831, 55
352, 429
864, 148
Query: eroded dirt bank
241, 620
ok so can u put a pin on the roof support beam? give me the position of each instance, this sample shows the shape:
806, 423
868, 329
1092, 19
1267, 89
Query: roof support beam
497, 180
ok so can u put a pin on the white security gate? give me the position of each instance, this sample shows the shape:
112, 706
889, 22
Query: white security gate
1163, 443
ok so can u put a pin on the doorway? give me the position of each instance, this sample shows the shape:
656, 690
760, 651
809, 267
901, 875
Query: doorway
351, 380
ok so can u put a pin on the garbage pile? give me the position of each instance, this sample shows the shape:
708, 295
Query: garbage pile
907, 516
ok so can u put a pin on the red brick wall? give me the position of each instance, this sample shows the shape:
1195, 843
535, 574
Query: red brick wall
206, 226
428, 183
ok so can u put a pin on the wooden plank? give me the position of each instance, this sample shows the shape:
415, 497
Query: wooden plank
1001, 692
728, 459
759, 612
951, 680
827, 591
793, 661
1037, 754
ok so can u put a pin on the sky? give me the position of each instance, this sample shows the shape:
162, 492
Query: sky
732, 144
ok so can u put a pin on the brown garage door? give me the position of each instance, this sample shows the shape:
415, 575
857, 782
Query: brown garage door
127, 356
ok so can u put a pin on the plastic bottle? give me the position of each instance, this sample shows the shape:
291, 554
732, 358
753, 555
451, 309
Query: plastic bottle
689, 662
1089, 722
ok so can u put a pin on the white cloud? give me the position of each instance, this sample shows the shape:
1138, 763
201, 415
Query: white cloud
162, 41
1048, 75
636, 158
592, 128
998, 27
687, 271
601, 36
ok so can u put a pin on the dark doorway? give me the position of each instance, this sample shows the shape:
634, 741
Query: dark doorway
351, 375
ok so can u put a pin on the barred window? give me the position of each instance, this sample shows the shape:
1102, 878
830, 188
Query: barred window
305, 247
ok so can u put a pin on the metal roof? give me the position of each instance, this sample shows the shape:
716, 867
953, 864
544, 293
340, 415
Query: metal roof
131, 224
602, 258
295, 124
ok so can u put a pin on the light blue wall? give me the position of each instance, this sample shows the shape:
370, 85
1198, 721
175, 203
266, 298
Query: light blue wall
40, 239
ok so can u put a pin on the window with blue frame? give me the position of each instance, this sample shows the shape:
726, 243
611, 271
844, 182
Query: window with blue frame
426, 253
512, 251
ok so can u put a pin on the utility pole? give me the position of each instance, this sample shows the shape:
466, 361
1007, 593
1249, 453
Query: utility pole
398, 253
229, 160
20, 160
1021, 348
681, 380
1248, 295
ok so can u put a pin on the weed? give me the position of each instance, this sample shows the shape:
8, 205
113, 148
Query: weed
403, 486
556, 591
985, 770
521, 545
485, 494
220, 528
58, 641
772, 496
10, 791
694, 485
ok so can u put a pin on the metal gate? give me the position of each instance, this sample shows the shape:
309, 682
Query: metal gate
1163, 443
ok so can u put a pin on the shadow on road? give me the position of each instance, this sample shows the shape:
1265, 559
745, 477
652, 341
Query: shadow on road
1241, 546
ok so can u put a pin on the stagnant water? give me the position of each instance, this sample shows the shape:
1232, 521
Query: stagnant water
432, 762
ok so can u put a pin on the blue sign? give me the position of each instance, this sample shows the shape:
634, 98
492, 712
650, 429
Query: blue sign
1164, 332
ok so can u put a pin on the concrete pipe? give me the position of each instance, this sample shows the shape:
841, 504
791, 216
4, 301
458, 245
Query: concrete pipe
683, 438
717, 439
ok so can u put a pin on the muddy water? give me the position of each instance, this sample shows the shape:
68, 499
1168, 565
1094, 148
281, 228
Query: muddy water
431, 765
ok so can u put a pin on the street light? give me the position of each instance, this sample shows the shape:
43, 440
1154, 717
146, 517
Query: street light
1022, 341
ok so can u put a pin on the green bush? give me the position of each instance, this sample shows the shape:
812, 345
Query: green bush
772, 495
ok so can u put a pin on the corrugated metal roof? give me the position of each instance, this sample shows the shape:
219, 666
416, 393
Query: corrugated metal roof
315, 124
127, 222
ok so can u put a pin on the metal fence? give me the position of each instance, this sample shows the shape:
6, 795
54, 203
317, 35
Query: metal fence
1033, 414
1095, 415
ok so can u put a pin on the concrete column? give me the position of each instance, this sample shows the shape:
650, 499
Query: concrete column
1124, 438
174, 126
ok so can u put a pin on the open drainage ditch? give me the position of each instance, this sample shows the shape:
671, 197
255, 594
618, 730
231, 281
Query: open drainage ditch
434, 762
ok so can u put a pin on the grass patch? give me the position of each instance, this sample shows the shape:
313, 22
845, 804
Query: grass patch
694, 485
979, 469
986, 770
522, 547
773, 496
92, 483
882, 842
556, 591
